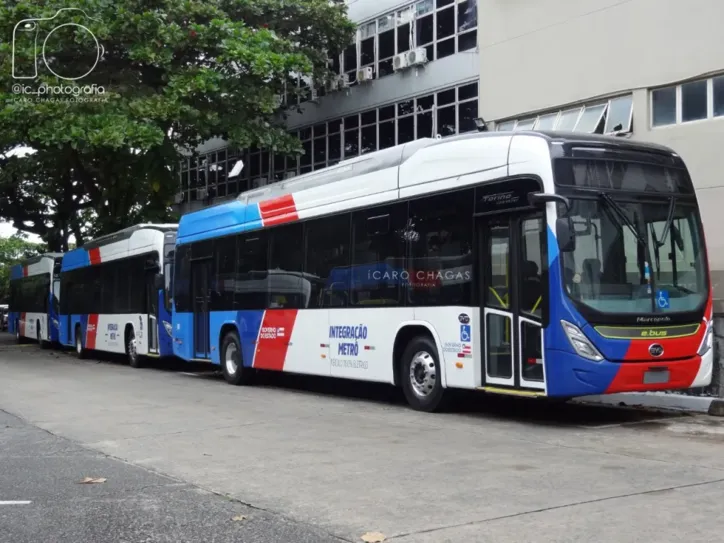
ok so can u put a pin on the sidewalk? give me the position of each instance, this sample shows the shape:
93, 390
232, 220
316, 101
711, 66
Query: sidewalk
661, 400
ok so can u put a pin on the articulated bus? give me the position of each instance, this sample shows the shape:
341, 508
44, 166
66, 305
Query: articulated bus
34, 296
114, 296
527, 263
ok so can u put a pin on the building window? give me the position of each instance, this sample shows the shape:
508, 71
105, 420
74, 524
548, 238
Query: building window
446, 112
609, 117
441, 27
691, 101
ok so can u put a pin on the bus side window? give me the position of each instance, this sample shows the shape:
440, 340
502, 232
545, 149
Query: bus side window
286, 261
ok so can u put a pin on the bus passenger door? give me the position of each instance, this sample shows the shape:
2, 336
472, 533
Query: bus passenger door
513, 289
152, 308
200, 294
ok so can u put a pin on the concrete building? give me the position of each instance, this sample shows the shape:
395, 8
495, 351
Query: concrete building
412, 72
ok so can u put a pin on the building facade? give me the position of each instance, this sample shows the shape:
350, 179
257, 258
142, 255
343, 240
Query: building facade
412, 72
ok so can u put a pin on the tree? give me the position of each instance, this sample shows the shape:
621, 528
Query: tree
173, 74
12, 250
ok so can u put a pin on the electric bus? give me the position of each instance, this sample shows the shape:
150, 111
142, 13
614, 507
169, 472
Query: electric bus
34, 298
114, 294
543, 264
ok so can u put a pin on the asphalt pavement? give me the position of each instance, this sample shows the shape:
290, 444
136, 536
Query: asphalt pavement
322, 460
42, 499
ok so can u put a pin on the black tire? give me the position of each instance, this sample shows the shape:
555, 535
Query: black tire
427, 393
43, 344
19, 339
80, 350
135, 360
232, 364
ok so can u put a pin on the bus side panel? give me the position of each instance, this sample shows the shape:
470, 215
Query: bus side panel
29, 324
165, 341
308, 351
361, 342
14, 321
183, 335
458, 330
110, 333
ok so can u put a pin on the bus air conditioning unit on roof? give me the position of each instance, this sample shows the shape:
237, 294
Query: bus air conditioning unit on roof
365, 74
417, 57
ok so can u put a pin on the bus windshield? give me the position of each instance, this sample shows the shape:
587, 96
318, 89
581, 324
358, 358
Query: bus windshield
635, 254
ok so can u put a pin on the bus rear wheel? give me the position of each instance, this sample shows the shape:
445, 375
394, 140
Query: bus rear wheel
134, 359
43, 344
420, 375
80, 351
232, 364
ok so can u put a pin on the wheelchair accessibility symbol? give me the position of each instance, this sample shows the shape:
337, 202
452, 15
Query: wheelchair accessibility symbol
464, 332
662, 299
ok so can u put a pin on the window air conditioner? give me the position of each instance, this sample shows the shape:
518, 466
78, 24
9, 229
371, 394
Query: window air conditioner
365, 74
400, 62
416, 57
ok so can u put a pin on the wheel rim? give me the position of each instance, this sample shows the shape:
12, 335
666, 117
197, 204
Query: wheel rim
230, 359
423, 375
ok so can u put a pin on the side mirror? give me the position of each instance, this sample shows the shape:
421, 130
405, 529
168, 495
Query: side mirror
539, 199
159, 282
566, 235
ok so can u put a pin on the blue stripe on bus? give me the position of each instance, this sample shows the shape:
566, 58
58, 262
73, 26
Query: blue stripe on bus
567, 374
16, 271
77, 258
222, 220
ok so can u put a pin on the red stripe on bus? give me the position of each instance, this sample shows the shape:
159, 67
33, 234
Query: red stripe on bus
274, 336
25, 271
91, 331
278, 210
95, 256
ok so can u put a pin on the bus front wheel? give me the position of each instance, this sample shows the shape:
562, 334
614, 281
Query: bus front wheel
420, 375
232, 365
134, 359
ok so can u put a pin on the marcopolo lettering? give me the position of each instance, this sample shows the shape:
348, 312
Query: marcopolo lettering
348, 332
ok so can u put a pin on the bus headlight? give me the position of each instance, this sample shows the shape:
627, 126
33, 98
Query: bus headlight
708, 340
580, 342
168, 327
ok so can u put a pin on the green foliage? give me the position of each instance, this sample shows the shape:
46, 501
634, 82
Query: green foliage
175, 73
12, 250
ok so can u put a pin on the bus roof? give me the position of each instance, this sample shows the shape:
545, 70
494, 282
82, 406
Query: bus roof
91, 253
383, 176
29, 266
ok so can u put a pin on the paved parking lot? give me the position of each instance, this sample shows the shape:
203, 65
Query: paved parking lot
347, 459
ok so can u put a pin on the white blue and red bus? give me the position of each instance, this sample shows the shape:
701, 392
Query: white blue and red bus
527, 263
114, 297
34, 296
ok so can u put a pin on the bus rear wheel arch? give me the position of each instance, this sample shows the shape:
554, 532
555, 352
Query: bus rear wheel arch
419, 371
135, 360
79, 347
231, 358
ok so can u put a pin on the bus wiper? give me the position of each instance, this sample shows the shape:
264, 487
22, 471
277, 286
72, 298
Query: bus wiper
669, 222
622, 218
625, 221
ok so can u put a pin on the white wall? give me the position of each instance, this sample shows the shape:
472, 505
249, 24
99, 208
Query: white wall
539, 53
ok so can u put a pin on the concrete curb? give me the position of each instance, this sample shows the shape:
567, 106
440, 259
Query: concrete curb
660, 400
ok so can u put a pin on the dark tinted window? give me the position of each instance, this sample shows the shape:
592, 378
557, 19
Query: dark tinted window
621, 175
328, 258
441, 236
287, 288
30, 294
182, 269
377, 275
222, 293
251, 285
